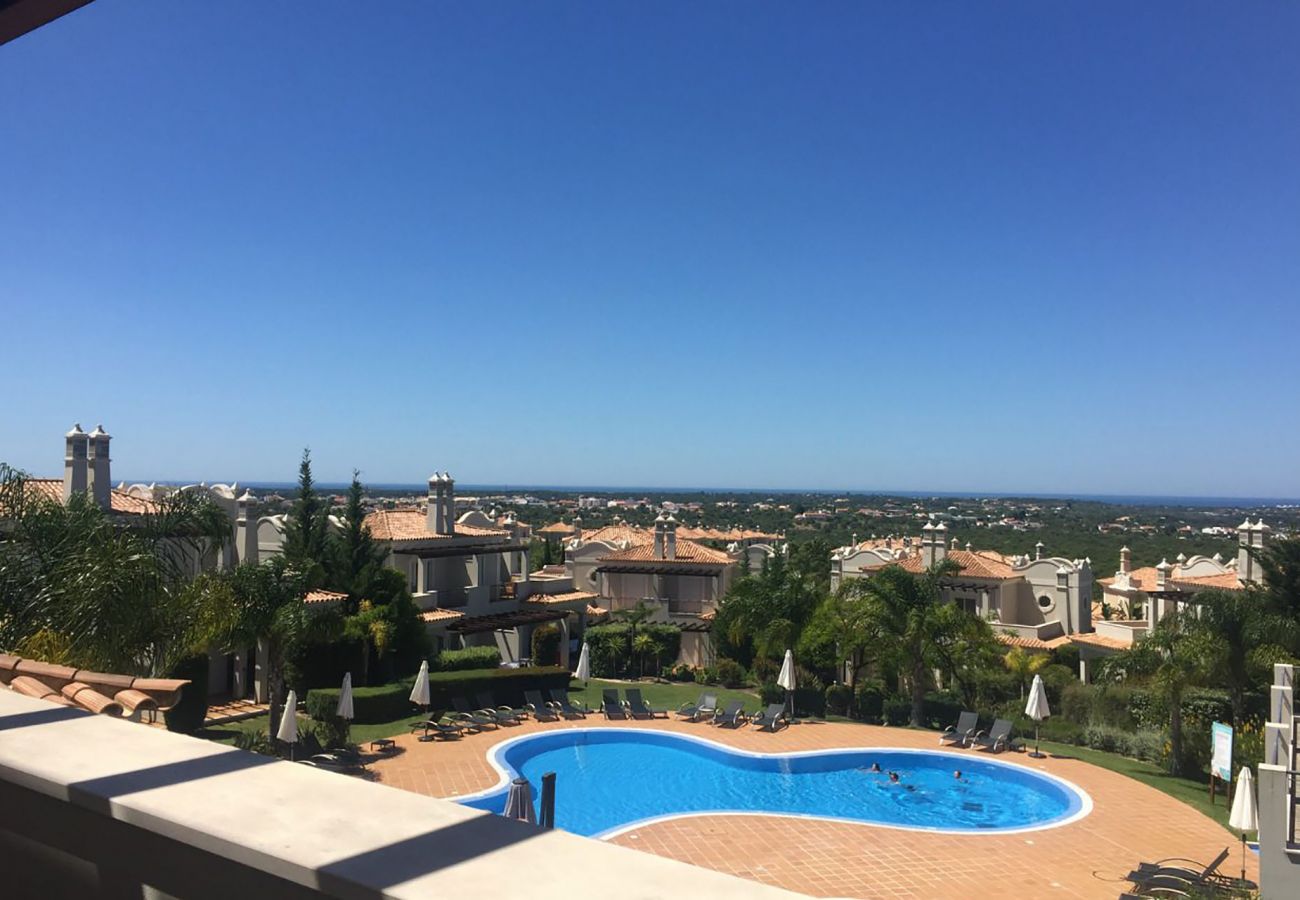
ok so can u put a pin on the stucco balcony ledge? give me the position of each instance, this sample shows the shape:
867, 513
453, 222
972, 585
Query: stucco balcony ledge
125, 806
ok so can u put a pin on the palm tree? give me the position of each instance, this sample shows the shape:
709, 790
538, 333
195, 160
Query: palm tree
1173, 657
644, 645
267, 610
634, 617
906, 618
114, 593
1024, 665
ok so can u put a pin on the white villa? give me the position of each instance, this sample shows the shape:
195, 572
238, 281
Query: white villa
1031, 601
1157, 590
683, 580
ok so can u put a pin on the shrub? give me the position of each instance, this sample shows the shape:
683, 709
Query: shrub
679, 673
1145, 744
940, 710
469, 658
706, 675
387, 702
546, 645
730, 673
770, 692
187, 716
870, 701
764, 669
1067, 655
896, 710
610, 655
1053, 729
838, 697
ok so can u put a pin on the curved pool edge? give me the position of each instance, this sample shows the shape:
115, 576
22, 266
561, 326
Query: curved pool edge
495, 758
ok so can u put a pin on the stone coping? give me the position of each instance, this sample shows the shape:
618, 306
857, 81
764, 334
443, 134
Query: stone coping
340, 836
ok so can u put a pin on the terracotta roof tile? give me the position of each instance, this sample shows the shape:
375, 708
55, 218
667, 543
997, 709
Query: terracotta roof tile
973, 565
556, 528
413, 525
1032, 643
565, 597
1099, 640
312, 597
688, 553
1227, 581
440, 615
1144, 579
121, 501
597, 611
97, 692
615, 534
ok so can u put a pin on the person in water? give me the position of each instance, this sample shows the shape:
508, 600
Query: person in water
893, 778
875, 767
957, 774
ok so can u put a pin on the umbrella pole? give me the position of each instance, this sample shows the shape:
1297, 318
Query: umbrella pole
1243, 857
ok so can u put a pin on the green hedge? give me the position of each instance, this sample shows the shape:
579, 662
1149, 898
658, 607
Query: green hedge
385, 703
469, 658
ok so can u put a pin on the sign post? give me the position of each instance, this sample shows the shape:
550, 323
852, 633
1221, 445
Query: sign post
1220, 754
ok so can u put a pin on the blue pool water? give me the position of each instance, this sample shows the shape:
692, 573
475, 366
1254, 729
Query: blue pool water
609, 778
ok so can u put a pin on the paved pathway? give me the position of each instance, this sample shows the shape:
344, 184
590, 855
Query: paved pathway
1130, 822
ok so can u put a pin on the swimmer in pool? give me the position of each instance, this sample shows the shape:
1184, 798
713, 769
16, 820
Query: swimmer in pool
957, 774
893, 778
875, 767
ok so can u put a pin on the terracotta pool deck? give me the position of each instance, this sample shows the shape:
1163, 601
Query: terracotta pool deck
1130, 822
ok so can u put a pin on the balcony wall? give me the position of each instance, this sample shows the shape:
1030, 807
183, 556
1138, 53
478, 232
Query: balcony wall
96, 807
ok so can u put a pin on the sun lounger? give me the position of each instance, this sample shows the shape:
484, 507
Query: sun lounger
771, 718
963, 732
541, 710
996, 739
611, 706
1174, 873
640, 709
446, 728
733, 714
566, 707
706, 705
506, 715
479, 717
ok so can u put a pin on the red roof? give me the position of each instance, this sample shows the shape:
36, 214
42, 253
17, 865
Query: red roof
97, 692
413, 525
687, 552
121, 502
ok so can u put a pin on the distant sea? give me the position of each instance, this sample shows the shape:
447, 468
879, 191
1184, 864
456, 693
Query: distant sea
632, 491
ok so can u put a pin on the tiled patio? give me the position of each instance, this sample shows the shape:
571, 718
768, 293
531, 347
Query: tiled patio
1130, 822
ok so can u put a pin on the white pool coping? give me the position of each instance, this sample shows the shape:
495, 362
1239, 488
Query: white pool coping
495, 758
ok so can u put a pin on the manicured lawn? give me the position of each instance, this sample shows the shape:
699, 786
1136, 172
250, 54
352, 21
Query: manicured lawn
1195, 794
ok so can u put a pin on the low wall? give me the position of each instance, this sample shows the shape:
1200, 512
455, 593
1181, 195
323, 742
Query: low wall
97, 807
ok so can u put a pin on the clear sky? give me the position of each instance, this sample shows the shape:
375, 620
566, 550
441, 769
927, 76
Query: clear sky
934, 246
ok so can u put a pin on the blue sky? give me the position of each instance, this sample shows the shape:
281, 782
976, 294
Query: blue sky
940, 246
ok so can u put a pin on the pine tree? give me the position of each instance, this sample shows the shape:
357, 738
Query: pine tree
306, 534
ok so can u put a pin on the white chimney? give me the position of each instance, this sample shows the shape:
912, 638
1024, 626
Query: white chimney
1125, 559
100, 482
670, 538
1245, 561
660, 530
74, 462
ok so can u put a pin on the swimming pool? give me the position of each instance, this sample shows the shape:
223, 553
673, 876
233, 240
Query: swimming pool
611, 779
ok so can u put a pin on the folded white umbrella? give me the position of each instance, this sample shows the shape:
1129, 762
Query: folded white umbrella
345, 699
1245, 811
289, 720
1037, 708
519, 802
583, 672
788, 680
420, 690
